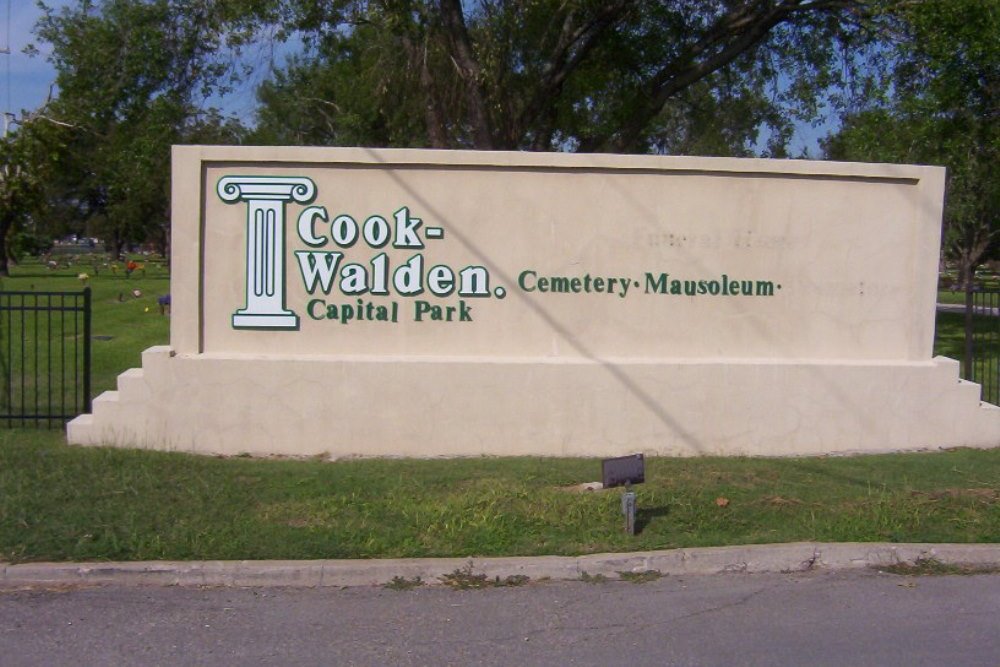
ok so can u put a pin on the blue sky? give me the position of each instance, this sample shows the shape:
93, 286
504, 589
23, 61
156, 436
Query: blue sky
30, 79
26, 81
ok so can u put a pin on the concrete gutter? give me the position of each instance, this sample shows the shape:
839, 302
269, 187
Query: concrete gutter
796, 557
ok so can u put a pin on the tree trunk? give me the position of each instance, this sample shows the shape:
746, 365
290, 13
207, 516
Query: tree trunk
966, 273
437, 136
161, 239
468, 69
5, 227
117, 245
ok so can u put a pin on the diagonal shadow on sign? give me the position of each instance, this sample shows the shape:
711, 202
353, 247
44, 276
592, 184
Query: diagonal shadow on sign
654, 406
835, 392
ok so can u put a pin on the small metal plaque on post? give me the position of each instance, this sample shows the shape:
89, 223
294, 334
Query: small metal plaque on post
622, 470
625, 470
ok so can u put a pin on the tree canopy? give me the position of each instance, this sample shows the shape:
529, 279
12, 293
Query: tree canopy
707, 77
684, 76
129, 77
20, 186
941, 105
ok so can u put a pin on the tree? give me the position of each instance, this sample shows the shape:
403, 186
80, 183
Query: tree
20, 187
131, 75
589, 75
667, 76
941, 105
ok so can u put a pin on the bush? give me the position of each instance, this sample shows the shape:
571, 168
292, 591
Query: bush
28, 244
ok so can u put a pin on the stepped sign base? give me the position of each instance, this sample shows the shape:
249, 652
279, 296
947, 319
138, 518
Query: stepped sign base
353, 302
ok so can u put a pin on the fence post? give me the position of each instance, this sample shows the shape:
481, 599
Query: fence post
86, 349
968, 357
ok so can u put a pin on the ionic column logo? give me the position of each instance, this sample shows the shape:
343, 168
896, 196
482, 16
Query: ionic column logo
265, 267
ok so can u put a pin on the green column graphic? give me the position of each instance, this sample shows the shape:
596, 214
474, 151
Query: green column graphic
265, 264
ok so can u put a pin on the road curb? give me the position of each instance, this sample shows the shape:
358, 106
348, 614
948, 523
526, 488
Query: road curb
795, 557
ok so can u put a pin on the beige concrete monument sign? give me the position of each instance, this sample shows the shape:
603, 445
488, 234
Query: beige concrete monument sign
424, 303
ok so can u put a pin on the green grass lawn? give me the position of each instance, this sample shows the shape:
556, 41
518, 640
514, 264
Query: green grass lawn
59, 502
948, 296
73, 503
123, 325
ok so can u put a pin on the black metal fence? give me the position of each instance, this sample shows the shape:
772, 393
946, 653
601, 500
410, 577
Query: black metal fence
982, 343
44, 357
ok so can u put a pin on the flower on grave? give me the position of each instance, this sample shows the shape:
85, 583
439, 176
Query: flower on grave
83, 277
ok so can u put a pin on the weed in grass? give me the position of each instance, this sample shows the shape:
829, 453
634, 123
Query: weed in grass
640, 577
588, 578
399, 583
930, 567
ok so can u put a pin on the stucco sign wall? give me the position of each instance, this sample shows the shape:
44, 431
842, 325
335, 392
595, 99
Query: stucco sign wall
386, 302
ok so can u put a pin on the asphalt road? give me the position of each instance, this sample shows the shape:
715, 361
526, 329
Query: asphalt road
841, 618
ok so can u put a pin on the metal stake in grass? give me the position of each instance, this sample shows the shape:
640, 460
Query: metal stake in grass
628, 509
627, 470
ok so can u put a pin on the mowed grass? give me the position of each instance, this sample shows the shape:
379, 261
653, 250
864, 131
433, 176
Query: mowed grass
123, 324
59, 502
73, 503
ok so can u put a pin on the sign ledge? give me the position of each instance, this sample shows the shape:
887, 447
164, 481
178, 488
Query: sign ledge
416, 158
